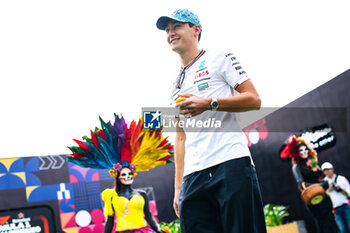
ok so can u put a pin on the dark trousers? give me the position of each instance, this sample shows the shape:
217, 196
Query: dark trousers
222, 199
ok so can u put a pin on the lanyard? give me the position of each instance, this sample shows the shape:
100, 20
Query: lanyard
181, 77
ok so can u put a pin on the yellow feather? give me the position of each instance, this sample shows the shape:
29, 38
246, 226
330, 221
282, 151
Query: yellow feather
149, 152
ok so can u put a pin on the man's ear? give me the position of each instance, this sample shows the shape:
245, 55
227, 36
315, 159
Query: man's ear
197, 30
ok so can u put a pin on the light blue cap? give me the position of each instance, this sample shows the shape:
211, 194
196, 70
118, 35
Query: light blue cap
181, 15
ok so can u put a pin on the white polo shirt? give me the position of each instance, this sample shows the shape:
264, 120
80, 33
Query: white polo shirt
212, 74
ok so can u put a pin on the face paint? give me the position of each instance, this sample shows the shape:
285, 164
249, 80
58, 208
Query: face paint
126, 177
303, 152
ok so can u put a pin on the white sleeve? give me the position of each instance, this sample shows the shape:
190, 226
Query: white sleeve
232, 71
344, 184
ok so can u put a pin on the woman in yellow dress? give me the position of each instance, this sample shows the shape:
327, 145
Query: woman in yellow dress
124, 151
130, 206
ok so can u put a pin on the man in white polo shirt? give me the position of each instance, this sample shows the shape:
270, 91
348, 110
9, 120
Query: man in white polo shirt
214, 170
339, 190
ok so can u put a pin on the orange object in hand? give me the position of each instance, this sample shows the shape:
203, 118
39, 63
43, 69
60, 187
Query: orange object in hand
166, 229
180, 100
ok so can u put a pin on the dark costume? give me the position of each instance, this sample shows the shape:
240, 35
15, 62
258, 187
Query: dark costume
323, 211
307, 172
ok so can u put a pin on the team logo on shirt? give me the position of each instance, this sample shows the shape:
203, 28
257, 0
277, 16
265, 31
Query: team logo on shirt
201, 65
202, 86
201, 74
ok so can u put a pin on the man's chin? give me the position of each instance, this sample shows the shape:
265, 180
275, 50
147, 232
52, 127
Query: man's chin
176, 49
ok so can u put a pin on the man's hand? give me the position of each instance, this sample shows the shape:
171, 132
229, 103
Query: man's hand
193, 105
176, 203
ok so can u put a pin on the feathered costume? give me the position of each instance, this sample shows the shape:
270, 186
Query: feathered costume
115, 146
291, 150
115, 143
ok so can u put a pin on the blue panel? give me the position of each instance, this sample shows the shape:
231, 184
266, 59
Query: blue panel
95, 202
79, 189
17, 166
104, 175
90, 174
32, 180
76, 174
65, 206
81, 203
93, 187
33, 165
44, 193
3, 169
10, 181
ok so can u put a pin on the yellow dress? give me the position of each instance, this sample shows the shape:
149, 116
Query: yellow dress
129, 213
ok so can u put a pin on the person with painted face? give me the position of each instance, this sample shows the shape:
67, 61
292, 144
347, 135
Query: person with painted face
124, 151
307, 172
130, 206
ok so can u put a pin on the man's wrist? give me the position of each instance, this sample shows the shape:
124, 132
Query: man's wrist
177, 189
207, 105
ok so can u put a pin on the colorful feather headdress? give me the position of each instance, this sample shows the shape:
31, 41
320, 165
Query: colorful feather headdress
291, 150
114, 146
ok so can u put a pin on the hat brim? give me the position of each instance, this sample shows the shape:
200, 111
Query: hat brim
163, 21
